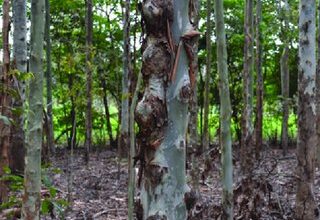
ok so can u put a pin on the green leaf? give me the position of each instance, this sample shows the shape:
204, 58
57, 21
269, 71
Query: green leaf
5, 120
46, 206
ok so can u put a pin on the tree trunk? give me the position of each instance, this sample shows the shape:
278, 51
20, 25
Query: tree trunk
106, 107
89, 60
32, 175
132, 174
5, 101
259, 115
206, 134
318, 93
17, 150
50, 134
162, 112
193, 123
247, 128
306, 149
124, 127
284, 65
225, 114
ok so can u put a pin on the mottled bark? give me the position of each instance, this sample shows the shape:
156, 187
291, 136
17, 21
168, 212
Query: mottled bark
307, 139
124, 127
32, 175
225, 114
17, 150
5, 100
193, 140
50, 133
318, 93
284, 65
162, 112
89, 63
247, 125
259, 89
205, 142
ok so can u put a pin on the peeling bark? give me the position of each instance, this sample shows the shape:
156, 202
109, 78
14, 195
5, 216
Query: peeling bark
306, 207
162, 112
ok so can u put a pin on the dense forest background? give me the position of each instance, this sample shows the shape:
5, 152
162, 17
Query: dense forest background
92, 55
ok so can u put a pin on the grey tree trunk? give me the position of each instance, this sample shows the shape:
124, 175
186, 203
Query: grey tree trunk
89, 63
5, 100
124, 127
225, 114
247, 125
205, 142
162, 112
307, 139
259, 114
284, 65
318, 93
50, 134
32, 174
20, 59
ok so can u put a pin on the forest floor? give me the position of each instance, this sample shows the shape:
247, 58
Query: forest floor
98, 194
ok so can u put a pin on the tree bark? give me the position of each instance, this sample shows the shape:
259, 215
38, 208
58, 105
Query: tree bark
5, 100
50, 134
259, 115
124, 127
162, 112
306, 149
225, 114
318, 92
89, 60
247, 128
206, 134
32, 176
284, 65
17, 150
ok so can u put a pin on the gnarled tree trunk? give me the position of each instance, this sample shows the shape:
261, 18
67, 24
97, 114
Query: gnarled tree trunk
162, 112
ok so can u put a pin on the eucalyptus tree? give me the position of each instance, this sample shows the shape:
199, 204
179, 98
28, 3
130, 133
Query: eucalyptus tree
205, 138
89, 70
124, 127
5, 100
225, 114
259, 89
284, 65
162, 111
50, 134
20, 60
32, 174
247, 124
306, 207
318, 91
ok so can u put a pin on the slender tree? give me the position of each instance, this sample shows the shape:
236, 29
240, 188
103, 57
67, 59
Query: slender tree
259, 114
306, 149
5, 102
205, 141
20, 60
284, 65
225, 114
162, 112
247, 125
32, 174
318, 92
124, 127
50, 134
89, 30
